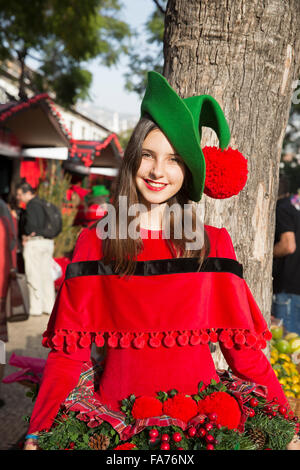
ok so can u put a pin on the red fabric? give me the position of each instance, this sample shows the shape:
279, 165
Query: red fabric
223, 298
126, 370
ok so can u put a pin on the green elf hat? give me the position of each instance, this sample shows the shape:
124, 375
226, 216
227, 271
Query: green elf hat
217, 172
100, 190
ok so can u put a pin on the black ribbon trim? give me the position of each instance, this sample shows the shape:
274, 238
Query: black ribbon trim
158, 267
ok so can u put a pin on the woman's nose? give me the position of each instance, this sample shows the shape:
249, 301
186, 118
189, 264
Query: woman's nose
157, 169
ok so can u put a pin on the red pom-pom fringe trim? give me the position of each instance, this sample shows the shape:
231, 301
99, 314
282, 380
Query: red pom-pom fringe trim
70, 341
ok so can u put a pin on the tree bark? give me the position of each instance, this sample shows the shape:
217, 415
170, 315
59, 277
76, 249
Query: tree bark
245, 54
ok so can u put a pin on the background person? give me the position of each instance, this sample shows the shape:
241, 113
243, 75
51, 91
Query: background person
37, 252
286, 263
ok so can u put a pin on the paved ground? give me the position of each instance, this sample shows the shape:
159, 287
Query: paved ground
24, 339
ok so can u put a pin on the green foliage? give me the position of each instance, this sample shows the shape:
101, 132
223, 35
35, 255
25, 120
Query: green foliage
211, 388
151, 58
53, 189
261, 431
61, 35
278, 431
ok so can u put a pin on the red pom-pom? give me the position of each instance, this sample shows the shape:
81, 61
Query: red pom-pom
169, 341
250, 339
224, 406
139, 342
239, 338
267, 335
112, 340
204, 338
226, 172
125, 340
146, 407
183, 339
213, 336
225, 335
58, 340
71, 338
85, 340
180, 407
195, 339
99, 340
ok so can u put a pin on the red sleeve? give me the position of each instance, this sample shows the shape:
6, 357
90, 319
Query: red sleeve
62, 370
249, 364
60, 376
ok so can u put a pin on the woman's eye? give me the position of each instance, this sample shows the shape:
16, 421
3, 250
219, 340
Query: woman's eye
146, 155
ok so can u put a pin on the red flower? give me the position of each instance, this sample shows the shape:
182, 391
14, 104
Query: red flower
181, 407
126, 446
224, 405
146, 407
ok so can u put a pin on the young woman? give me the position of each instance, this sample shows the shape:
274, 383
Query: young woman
155, 301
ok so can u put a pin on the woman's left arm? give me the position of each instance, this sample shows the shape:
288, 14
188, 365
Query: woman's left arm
253, 366
250, 364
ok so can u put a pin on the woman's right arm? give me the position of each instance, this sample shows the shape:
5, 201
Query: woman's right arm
61, 375
62, 370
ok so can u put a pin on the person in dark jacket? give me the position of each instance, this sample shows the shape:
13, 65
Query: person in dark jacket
286, 263
37, 252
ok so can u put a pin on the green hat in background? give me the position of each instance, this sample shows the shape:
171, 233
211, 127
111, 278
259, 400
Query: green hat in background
100, 190
181, 121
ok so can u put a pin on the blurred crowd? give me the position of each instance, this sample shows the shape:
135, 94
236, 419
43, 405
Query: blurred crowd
29, 273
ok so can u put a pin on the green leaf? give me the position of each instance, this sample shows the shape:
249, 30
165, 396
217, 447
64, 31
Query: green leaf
200, 385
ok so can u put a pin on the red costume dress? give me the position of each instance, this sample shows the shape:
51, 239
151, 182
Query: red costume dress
156, 339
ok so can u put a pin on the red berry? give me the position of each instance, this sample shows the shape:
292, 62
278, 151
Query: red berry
152, 440
282, 410
275, 400
165, 437
209, 438
177, 437
219, 426
208, 426
268, 408
270, 417
213, 416
153, 433
286, 416
201, 419
192, 431
180, 448
251, 413
165, 446
253, 402
201, 432
210, 447
274, 413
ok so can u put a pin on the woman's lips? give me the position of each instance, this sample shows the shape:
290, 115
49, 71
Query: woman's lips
154, 187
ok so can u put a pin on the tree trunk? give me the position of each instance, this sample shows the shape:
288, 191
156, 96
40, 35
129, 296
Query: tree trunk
22, 88
246, 55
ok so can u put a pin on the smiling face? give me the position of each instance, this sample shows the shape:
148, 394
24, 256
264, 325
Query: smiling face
161, 172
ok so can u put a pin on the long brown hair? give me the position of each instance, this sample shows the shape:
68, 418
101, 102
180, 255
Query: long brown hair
122, 253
